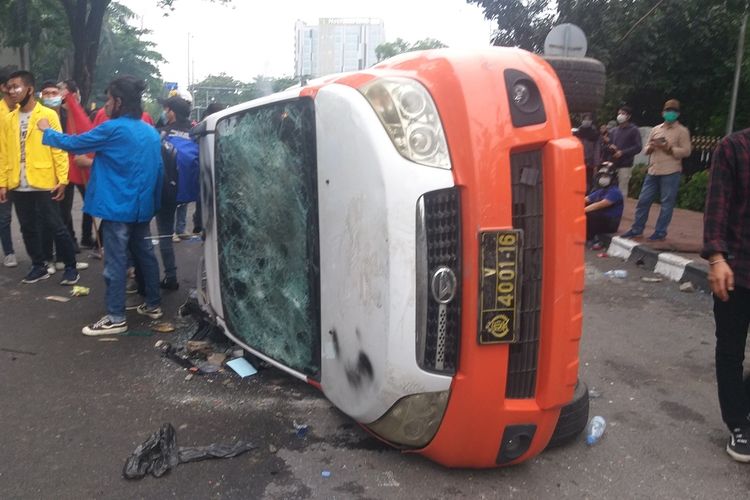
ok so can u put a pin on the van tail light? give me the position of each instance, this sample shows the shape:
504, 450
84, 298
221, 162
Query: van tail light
413, 420
438, 281
410, 117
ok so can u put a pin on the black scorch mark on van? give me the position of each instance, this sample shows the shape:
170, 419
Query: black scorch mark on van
336, 347
360, 373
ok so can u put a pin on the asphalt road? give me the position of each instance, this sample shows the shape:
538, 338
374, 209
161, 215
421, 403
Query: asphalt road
73, 408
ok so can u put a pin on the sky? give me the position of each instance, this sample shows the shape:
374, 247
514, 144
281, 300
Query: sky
244, 41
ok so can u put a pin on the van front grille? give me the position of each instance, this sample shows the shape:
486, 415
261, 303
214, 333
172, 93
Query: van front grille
528, 210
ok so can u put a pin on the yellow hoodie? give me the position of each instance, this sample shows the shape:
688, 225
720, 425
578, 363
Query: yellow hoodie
45, 166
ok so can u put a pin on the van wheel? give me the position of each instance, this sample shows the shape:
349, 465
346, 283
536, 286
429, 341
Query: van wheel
573, 417
583, 80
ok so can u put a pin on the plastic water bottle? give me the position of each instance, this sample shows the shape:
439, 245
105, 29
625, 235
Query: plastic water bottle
595, 430
616, 273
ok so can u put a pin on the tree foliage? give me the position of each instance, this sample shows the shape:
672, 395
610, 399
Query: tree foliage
399, 46
230, 91
38, 28
683, 49
126, 51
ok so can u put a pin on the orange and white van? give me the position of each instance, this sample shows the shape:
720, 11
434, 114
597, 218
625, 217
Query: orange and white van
409, 239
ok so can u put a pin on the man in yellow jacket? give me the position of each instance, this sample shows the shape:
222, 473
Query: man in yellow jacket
34, 176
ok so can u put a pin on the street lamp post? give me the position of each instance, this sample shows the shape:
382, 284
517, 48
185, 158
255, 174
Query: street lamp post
737, 70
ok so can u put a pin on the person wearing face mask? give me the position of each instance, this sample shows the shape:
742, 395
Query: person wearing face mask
667, 145
125, 192
34, 176
604, 205
590, 139
625, 143
52, 98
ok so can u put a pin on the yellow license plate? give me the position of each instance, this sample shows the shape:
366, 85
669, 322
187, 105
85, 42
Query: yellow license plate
500, 281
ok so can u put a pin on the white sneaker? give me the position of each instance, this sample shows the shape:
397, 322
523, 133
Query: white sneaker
80, 266
176, 238
10, 260
51, 268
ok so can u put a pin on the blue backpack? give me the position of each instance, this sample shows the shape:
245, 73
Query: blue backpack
181, 169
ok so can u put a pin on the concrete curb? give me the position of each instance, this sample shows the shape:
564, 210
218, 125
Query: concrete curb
669, 265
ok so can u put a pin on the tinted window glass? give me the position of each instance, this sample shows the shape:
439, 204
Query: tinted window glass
266, 194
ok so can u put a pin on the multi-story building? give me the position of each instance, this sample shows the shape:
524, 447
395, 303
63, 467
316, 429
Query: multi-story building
336, 45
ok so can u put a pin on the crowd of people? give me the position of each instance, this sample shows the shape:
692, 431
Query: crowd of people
127, 172
609, 153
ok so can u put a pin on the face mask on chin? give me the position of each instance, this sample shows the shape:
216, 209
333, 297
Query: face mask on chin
25, 100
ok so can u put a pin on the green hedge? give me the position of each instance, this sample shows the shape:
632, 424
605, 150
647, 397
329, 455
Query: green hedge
692, 194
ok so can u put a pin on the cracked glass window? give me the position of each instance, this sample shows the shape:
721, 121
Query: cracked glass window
266, 194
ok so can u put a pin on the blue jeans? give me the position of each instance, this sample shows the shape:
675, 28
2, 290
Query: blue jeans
165, 224
5, 217
180, 216
121, 237
664, 185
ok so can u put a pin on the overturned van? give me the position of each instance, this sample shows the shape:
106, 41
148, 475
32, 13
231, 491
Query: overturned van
409, 239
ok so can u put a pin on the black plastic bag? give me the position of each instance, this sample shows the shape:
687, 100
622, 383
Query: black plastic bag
160, 453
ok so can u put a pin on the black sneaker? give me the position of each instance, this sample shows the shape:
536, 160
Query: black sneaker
738, 447
37, 273
169, 284
87, 243
105, 327
70, 276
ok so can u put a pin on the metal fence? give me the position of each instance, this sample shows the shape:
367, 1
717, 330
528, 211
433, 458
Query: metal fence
700, 158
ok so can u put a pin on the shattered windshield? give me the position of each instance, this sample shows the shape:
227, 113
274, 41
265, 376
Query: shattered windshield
266, 194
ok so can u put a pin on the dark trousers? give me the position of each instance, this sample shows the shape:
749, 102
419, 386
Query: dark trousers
598, 223
5, 235
38, 214
165, 224
732, 321
87, 223
66, 212
198, 217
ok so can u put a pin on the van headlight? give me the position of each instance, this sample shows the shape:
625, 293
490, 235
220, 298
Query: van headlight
409, 116
413, 420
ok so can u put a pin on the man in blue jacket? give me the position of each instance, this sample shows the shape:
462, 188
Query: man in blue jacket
125, 192
626, 142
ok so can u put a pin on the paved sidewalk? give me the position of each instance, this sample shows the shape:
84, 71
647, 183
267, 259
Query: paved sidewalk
685, 232
677, 257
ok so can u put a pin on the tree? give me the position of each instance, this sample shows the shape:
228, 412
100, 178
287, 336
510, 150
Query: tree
125, 51
399, 46
390, 49
227, 90
520, 23
653, 51
85, 20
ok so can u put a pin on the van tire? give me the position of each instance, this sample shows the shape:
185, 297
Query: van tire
583, 80
573, 418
